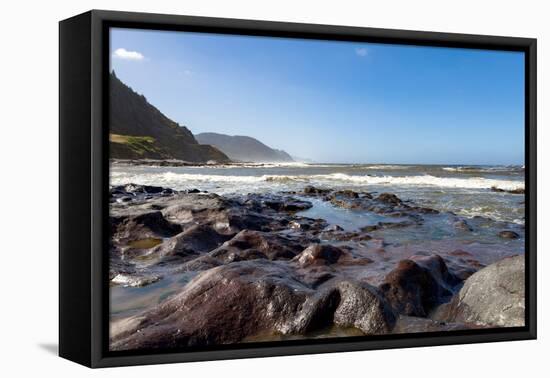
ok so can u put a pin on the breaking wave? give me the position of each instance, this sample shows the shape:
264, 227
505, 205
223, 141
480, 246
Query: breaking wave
388, 167
478, 169
178, 180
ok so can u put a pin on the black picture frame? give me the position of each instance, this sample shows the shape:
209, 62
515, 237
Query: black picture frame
83, 182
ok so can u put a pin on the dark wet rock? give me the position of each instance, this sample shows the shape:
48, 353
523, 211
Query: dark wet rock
198, 264
386, 204
193, 241
511, 191
465, 271
360, 237
438, 269
462, 264
333, 228
221, 305
389, 198
345, 304
197, 223
142, 224
417, 285
313, 190
316, 276
119, 266
344, 236
462, 225
494, 296
250, 245
135, 189
425, 210
288, 205
135, 192
225, 215
346, 203
370, 228
362, 307
319, 254
316, 312
507, 234
497, 190
347, 193
307, 224
231, 302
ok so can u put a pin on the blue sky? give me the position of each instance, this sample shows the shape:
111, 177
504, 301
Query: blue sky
334, 101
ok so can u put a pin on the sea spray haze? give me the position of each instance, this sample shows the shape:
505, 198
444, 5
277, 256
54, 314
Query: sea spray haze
404, 214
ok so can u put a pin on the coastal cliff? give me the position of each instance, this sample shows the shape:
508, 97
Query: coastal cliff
244, 148
138, 130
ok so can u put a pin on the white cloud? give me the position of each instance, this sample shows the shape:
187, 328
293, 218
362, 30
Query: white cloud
122, 53
361, 51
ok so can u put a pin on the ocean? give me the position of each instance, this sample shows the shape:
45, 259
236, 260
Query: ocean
463, 190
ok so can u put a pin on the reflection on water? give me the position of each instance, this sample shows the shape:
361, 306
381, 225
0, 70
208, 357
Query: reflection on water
326, 332
145, 243
347, 219
126, 301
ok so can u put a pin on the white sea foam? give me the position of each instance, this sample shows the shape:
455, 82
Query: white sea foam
490, 212
477, 169
388, 167
177, 180
428, 180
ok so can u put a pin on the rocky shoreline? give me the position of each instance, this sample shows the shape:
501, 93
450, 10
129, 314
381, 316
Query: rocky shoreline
183, 163
255, 268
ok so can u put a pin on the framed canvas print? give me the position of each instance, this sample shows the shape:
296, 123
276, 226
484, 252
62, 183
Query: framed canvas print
234, 188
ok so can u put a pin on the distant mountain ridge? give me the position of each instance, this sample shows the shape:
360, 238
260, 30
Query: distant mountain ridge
244, 148
138, 130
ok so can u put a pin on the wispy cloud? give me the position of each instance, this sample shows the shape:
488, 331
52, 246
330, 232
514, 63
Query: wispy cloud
361, 51
122, 53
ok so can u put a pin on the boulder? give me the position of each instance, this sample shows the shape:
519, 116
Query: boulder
290, 205
142, 224
507, 234
250, 245
195, 240
319, 254
389, 198
418, 284
333, 228
461, 224
493, 296
362, 307
511, 191
231, 302
313, 190
347, 193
